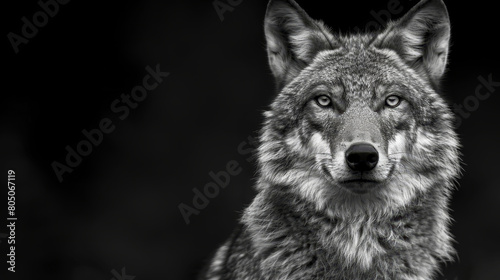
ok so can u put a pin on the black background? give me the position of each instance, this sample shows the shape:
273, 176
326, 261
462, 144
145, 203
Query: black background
119, 207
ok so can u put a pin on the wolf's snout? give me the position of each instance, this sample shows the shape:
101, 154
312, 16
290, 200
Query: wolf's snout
361, 157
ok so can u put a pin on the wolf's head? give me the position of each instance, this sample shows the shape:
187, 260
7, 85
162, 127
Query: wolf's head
357, 124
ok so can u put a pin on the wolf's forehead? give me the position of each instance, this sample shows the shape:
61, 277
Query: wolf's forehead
359, 72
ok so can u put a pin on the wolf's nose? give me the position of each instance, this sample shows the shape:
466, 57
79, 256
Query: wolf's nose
361, 157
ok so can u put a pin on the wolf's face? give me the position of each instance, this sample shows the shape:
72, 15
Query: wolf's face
357, 123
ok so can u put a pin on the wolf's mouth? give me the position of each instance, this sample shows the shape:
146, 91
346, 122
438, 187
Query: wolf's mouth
359, 186
359, 181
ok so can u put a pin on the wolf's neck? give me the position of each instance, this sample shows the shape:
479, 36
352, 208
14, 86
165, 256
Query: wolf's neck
357, 240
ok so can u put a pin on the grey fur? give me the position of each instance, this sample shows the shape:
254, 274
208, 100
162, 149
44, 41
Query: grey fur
305, 223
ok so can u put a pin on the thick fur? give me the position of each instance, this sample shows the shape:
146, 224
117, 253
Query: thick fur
305, 222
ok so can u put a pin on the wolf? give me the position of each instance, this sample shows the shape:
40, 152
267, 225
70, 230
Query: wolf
357, 156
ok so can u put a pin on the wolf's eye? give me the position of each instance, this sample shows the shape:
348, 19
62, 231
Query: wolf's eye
323, 101
393, 101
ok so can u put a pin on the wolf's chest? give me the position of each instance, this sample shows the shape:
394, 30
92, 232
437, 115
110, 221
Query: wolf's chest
355, 242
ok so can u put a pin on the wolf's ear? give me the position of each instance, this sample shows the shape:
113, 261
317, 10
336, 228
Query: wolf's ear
293, 39
421, 38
